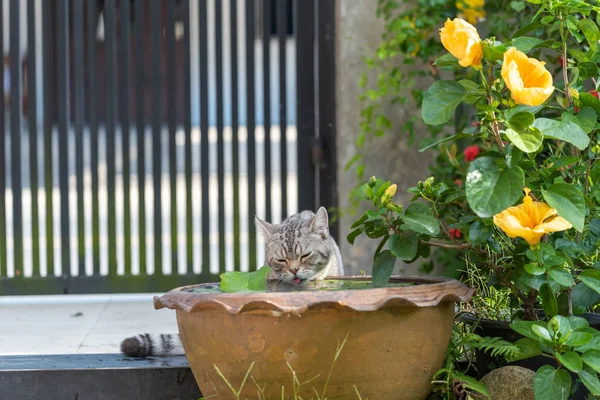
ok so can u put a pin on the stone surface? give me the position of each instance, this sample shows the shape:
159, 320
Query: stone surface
509, 383
389, 157
77, 324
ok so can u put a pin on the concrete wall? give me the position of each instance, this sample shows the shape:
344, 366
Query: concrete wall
389, 157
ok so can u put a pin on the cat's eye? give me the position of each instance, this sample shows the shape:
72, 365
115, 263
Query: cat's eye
305, 256
282, 261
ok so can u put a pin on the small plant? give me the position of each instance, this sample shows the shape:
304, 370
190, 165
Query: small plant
522, 204
571, 343
296, 383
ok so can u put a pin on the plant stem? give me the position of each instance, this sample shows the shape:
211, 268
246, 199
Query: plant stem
447, 245
570, 302
488, 88
565, 63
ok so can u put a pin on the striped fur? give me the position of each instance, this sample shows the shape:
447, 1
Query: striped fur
148, 345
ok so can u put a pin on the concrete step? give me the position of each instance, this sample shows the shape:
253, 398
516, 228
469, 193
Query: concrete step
96, 377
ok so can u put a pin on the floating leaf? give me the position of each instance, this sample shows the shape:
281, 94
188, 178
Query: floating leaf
236, 281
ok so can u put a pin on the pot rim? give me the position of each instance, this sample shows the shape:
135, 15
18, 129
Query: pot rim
430, 292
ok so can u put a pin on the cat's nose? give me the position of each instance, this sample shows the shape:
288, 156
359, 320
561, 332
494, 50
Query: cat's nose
294, 271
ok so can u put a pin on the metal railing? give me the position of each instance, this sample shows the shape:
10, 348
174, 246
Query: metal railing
140, 137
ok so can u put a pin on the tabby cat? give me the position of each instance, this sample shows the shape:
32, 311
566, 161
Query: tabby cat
298, 250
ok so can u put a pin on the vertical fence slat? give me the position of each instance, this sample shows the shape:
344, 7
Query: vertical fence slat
15, 130
305, 76
220, 141
235, 152
49, 87
282, 34
172, 122
33, 136
91, 19
266, 42
326, 104
62, 63
125, 118
251, 125
187, 126
3, 166
78, 71
139, 66
204, 171
156, 49
111, 109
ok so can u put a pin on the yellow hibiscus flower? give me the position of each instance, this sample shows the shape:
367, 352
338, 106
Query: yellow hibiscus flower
530, 220
529, 81
462, 41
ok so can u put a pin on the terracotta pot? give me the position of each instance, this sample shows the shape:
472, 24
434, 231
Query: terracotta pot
397, 339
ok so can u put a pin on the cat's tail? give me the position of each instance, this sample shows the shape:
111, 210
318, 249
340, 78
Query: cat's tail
148, 345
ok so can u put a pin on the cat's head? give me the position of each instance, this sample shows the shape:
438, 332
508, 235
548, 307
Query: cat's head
299, 248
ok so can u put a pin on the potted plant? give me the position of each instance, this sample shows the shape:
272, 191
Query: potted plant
370, 338
522, 206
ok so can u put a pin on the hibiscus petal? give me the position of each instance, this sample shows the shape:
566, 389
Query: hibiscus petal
556, 224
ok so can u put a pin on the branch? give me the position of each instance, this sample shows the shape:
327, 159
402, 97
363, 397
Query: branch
448, 245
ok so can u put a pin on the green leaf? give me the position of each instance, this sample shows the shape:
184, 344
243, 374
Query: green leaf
568, 202
561, 276
593, 344
526, 43
541, 332
470, 383
404, 247
513, 156
528, 141
578, 322
527, 28
446, 139
353, 235
479, 232
579, 339
520, 121
551, 384
518, 6
590, 379
592, 359
493, 52
535, 268
559, 327
549, 304
527, 348
587, 119
525, 328
447, 60
584, 296
588, 100
571, 361
595, 227
236, 281
419, 218
491, 190
440, 102
383, 267
587, 70
567, 131
590, 31
591, 278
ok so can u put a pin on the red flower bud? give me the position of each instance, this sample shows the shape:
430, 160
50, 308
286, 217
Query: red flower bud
458, 182
455, 233
471, 153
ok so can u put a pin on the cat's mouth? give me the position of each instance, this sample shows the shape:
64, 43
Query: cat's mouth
298, 281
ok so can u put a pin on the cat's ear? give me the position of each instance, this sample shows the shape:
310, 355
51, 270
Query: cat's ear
320, 223
266, 228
